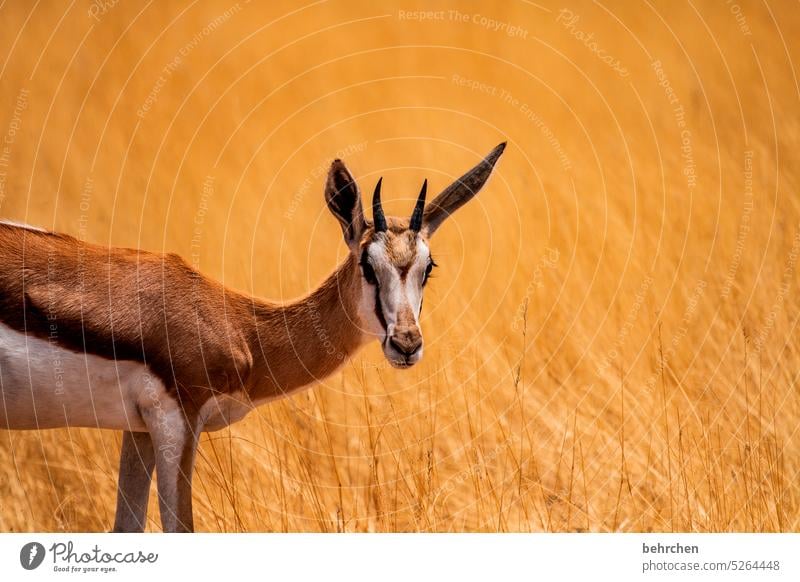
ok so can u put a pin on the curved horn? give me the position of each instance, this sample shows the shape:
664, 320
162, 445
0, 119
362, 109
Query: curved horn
377, 209
416, 216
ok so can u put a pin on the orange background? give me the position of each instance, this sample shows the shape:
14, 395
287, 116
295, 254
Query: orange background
644, 218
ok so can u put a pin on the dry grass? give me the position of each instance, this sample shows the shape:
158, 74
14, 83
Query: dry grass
611, 339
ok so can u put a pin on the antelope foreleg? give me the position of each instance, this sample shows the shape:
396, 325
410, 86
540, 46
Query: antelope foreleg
136, 462
175, 444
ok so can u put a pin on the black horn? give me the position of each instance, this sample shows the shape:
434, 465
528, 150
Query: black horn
377, 209
419, 209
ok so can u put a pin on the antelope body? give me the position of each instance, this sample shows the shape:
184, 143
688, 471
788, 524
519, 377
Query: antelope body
141, 342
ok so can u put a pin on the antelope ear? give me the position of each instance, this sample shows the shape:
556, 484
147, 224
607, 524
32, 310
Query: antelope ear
344, 201
459, 192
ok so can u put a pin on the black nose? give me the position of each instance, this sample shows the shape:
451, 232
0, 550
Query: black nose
408, 346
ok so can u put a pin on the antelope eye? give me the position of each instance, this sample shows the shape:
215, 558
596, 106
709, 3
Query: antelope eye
428, 270
369, 273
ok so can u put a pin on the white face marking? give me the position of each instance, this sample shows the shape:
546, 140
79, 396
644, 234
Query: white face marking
399, 298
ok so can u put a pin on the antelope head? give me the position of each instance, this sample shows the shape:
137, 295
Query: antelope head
393, 254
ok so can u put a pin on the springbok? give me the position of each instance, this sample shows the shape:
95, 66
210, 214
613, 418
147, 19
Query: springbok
141, 342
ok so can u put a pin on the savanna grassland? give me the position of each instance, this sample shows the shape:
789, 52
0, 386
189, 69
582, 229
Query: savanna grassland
611, 336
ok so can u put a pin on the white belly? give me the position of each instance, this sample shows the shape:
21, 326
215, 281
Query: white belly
45, 386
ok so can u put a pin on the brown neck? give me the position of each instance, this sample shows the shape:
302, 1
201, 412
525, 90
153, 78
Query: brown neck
301, 342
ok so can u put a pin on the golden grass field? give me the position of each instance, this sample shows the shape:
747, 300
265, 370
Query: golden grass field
611, 339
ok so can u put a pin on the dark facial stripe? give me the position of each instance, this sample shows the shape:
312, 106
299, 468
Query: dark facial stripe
379, 309
378, 305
